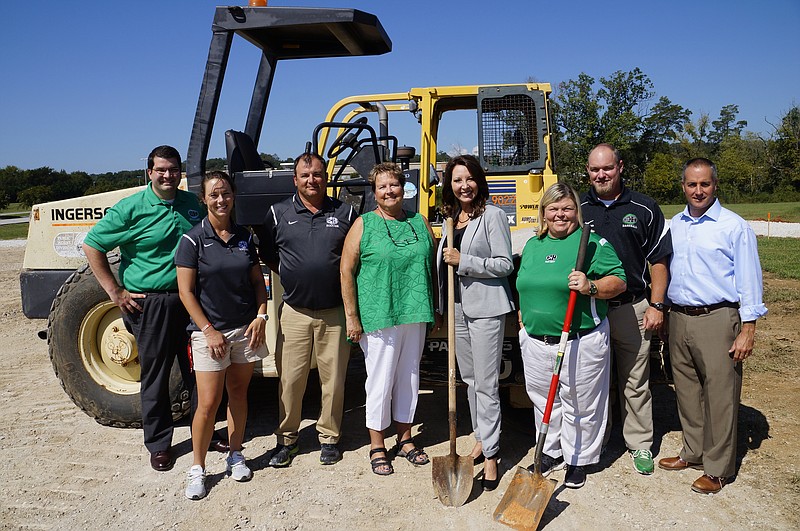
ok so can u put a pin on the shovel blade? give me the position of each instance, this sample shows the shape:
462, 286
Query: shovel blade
452, 479
525, 500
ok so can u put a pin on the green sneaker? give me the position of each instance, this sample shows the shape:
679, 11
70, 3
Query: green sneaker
643, 461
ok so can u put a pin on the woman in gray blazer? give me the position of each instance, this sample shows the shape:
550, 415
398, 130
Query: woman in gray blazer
481, 255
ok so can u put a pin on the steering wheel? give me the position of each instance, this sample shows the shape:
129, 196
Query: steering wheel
346, 138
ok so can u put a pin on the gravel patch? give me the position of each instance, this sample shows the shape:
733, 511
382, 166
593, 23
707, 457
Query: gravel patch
777, 229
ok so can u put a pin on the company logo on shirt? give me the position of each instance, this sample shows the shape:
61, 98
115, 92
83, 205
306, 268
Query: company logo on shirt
194, 214
242, 246
550, 259
630, 221
332, 221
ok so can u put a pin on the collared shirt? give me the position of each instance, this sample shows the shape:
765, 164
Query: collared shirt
715, 259
146, 229
223, 285
308, 249
636, 228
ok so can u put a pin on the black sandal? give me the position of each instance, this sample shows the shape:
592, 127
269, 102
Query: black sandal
412, 455
379, 462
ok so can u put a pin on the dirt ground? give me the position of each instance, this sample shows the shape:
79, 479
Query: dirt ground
61, 470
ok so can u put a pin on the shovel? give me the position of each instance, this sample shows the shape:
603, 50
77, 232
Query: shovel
528, 494
452, 474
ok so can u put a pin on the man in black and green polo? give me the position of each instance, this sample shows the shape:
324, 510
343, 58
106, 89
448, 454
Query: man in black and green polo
146, 227
635, 226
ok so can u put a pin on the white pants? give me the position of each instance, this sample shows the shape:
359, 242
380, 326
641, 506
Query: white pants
578, 420
392, 357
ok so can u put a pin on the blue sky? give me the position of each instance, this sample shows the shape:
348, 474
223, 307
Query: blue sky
93, 85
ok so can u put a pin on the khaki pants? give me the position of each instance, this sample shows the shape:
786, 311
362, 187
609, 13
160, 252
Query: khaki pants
630, 346
304, 333
708, 386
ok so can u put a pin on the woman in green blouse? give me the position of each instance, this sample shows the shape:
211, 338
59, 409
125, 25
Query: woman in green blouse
387, 287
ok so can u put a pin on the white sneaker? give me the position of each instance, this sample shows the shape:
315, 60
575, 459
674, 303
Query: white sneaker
236, 467
196, 483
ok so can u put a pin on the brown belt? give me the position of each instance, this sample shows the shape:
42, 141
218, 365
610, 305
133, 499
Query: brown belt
702, 310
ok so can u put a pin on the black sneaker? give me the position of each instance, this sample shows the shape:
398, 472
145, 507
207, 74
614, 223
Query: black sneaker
549, 464
283, 455
330, 454
575, 478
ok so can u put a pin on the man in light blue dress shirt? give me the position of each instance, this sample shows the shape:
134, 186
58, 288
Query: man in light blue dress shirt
716, 291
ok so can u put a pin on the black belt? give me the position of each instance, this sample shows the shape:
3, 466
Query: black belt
625, 298
553, 340
160, 292
703, 310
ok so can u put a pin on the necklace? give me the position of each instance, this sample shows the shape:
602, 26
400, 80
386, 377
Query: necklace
401, 243
468, 218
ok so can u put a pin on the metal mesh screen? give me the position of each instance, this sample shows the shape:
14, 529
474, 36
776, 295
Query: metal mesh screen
509, 126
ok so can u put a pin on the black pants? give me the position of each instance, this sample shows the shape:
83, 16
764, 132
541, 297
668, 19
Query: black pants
160, 332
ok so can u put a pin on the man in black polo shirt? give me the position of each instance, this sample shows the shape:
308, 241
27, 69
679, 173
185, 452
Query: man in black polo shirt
634, 225
302, 239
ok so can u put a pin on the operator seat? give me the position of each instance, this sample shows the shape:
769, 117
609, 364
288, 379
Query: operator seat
257, 188
242, 153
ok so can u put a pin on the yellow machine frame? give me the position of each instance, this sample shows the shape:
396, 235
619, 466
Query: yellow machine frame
429, 104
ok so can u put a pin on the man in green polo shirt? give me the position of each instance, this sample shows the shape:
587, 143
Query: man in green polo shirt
146, 227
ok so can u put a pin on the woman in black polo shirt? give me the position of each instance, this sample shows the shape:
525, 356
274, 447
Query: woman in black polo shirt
221, 285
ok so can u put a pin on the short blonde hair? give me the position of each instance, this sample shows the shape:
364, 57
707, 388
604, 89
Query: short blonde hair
554, 194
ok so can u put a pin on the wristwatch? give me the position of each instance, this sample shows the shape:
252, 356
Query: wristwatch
592, 289
262, 316
658, 306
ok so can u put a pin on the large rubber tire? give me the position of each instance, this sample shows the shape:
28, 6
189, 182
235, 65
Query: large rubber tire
95, 357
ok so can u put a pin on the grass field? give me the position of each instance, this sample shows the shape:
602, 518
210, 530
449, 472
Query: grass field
780, 256
787, 212
17, 231
14, 210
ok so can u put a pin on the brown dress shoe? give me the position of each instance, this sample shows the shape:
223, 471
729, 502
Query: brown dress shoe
161, 461
707, 484
676, 463
220, 446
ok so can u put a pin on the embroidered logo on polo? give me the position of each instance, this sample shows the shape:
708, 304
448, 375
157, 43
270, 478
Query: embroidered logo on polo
193, 214
242, 245
630, 221
550, 259
332, 221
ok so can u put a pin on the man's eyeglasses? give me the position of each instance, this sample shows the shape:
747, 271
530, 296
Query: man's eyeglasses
162, 172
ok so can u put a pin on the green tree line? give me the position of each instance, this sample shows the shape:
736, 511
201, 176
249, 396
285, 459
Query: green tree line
41, 185
656, 136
